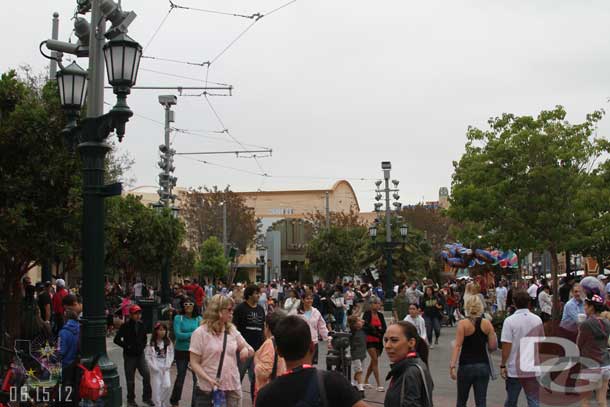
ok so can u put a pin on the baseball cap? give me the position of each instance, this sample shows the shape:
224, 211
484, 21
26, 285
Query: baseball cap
601, 277
135, 308
60, 282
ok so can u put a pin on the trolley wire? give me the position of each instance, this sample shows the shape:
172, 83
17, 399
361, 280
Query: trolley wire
158, 28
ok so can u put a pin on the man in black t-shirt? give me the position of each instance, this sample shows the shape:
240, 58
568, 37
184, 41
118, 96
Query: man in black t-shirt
44, 301
249, 318
303, 385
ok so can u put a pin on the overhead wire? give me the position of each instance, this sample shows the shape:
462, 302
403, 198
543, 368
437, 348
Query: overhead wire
190, 78
158, 28
224, 13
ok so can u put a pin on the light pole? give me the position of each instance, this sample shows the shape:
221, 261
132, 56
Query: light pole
388, 245
122, 56
166, 183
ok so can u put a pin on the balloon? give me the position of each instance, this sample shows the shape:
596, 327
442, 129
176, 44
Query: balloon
484, 256
591, 285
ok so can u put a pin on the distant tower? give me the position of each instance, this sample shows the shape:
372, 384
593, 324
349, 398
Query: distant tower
443, 197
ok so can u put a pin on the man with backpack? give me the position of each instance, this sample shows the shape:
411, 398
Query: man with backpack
303, 385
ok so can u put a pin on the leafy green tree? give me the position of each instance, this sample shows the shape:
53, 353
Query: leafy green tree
37, 174
212, 261
341, 219
138, 238
184, 262
203, 213
336, 251
410, 260
517, 180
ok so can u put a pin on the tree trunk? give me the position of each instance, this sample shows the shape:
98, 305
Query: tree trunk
555, 283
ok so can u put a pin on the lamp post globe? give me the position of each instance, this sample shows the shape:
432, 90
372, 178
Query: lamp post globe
122, 55
404, 231
72, 83
373, 232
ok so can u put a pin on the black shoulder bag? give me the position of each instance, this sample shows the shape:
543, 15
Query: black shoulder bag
222, 356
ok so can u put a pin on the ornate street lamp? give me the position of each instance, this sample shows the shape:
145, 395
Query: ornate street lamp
122, 55
404, 232
373, 232
72, 83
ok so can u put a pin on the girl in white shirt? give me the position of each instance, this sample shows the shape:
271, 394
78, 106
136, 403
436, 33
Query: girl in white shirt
159, 356
291, 305
416, 319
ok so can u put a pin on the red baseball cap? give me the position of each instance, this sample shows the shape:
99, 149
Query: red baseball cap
135, 308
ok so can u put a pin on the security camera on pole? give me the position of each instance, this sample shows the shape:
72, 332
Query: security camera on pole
388, 245
122, 56
167, 182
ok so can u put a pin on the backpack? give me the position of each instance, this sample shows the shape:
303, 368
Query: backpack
92, 385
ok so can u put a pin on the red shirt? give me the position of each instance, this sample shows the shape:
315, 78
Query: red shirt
375, 322
58, 306
197, 291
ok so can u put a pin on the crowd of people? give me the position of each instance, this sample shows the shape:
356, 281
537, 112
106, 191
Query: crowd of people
271, 332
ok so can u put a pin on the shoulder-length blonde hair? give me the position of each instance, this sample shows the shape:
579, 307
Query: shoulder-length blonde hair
474, 306
211, 317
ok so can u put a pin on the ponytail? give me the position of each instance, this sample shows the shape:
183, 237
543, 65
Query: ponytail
422, 349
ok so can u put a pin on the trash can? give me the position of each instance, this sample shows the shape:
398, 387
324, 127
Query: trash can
150, 313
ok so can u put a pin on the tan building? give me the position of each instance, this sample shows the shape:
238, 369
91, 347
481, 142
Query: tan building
283, 212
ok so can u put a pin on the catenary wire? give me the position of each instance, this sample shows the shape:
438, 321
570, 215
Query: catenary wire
190, 78
158, 28
224, 13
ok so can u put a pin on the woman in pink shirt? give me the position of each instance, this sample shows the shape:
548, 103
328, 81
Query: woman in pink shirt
267, 363
206, 350
316, 322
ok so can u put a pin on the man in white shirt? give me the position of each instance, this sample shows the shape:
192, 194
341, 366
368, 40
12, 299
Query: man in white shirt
521, 324
501, 293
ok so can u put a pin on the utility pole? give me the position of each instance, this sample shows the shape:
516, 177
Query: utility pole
166, 182
46, 267
388, 245
225, 243
327, 210
54, 36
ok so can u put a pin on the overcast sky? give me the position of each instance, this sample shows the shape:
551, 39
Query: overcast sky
334, 87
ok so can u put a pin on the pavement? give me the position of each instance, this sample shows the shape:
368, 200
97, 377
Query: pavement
444, 388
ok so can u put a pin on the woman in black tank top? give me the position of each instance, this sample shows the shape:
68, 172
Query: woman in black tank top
473, 338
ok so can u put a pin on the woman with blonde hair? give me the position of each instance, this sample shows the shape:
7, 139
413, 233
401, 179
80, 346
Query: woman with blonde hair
214, 348
475, 336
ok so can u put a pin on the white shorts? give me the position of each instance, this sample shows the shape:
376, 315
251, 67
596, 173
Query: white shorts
357, 365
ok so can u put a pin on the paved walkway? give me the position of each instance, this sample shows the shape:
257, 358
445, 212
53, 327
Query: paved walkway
444, 387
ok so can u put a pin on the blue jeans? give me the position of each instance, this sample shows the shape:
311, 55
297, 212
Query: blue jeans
182, 362
476, 376
432, 323
513, 387
248, 366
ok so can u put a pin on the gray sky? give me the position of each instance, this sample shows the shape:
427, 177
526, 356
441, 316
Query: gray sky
336, 87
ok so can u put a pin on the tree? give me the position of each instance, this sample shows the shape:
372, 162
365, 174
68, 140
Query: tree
517, 180
37, 174
202, 211
437, 228
212, 261
184, 262
341, 219
409, 260
138, 238
336, 251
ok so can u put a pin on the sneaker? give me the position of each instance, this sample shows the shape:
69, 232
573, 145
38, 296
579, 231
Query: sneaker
380, 389
132, 404
368, 386
149, 402
431, 346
